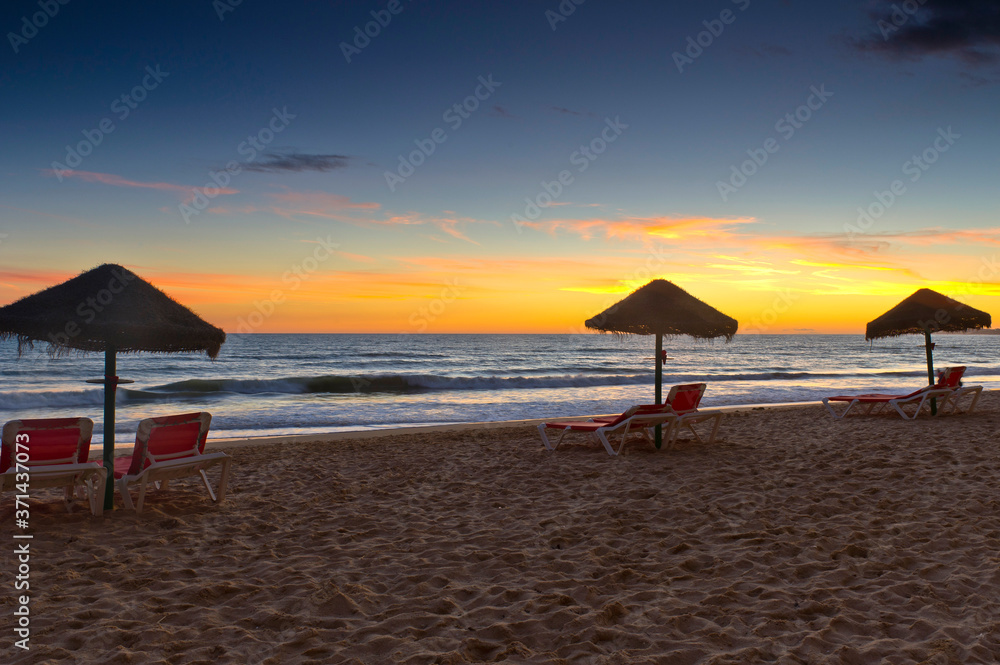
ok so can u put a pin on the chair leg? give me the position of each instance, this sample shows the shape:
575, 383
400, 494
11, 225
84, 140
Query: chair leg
607, 444
717, 417
976, 392
850, 406
123, 490
545, 439
208, 486
224, 479
700, 418
902, 412
142, 495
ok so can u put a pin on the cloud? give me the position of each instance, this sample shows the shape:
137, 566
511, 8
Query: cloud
448, 225
296, 162
317, 203
646, 228
969, 29
501, 111
297, 205
186, 191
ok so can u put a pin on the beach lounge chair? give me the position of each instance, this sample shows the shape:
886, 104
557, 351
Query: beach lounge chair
166, 448
55, 452
873, 403
685, 400
635, 420
951, 377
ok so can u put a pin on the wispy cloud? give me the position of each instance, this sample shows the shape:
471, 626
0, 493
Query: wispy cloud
186, 192
645, 228
317, 203
449, 225
300, 206
297, 162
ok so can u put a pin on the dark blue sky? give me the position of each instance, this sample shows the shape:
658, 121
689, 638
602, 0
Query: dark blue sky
675, 145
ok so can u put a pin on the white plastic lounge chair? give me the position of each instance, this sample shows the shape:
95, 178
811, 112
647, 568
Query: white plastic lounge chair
873, 403
961, 392
54, 451
685, 400
951, 377
638, 419
166, 448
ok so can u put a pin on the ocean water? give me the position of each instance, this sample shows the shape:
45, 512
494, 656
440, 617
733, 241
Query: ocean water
263, 385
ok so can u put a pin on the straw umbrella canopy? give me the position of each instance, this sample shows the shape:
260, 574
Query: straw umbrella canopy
663, 308
113, 310
924, 312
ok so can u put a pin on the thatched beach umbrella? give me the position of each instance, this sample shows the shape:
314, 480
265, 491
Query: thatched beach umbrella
107, 309
924, 312
663, 308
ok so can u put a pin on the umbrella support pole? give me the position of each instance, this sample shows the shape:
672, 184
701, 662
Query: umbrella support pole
659, 382
110, 388
929, 347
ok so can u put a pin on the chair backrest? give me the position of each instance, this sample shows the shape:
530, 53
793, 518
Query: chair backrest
49, 441
628, 413
641, 410
686, 398
169, 437
950, 377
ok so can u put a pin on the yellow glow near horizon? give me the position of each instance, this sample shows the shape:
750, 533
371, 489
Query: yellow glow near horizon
775, 284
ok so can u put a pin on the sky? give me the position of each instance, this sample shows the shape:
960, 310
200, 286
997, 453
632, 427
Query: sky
405, 167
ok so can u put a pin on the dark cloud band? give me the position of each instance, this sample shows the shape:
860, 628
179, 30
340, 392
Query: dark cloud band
967, 28
296, 163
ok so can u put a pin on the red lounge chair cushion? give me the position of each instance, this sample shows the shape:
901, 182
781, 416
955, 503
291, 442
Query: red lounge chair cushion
171, 437
49, 439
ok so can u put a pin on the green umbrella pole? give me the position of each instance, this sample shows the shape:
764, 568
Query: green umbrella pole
929, 346
659, 381
110, 387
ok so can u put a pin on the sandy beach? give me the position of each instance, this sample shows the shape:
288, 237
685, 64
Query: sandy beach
793, 539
